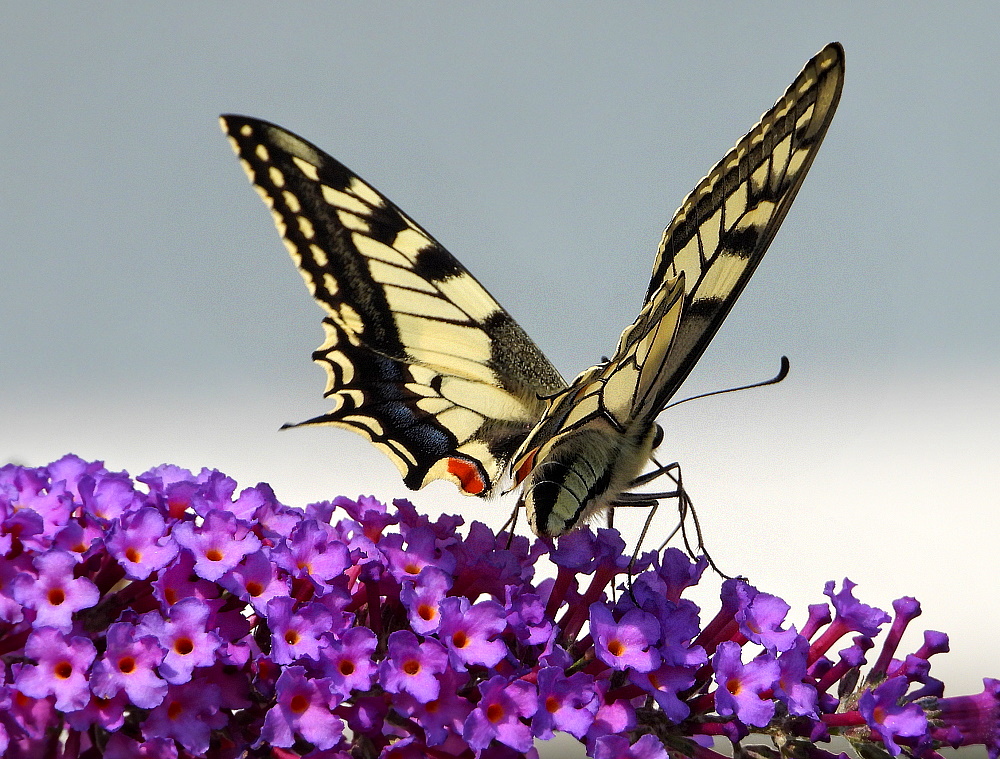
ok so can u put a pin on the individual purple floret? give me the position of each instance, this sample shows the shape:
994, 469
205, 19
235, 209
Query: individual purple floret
52, 591
742, 686
184, 632
412, 666
130, 664
60, 671
302, 711
173, 617
502, 714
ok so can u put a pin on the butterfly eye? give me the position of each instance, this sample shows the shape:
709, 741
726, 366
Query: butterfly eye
527, 464
657, 437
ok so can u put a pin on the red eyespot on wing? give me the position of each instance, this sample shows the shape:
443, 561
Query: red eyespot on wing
468, 475
526, 466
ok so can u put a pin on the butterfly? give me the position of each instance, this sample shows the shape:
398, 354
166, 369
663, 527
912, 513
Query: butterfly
423, 361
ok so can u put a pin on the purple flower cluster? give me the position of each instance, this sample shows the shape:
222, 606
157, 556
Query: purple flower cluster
177, 618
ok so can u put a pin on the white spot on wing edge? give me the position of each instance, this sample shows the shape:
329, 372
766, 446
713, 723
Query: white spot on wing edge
305, 227
330, 284
319, 256
330, 355
291, 201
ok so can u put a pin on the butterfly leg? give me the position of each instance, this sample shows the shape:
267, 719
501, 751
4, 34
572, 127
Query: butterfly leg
644, 479
510, 524
685, 508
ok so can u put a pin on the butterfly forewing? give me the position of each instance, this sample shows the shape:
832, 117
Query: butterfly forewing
599, 433
722, 229
419, 357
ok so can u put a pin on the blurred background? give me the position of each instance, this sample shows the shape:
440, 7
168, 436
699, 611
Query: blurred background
150, 314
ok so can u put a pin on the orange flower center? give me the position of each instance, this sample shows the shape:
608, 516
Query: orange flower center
255, 589
494, 713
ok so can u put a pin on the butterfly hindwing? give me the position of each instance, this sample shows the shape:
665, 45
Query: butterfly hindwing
419, 357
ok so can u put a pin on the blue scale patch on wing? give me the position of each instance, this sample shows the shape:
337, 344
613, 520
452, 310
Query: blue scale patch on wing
419, 356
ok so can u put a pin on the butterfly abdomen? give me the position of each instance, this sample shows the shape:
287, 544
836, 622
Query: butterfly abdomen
580, 473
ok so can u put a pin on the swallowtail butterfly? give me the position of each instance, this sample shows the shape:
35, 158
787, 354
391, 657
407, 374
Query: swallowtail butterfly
436, 374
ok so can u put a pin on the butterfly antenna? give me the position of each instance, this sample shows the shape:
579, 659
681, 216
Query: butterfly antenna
782, 373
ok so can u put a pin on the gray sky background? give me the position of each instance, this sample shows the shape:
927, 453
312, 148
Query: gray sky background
149, 313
